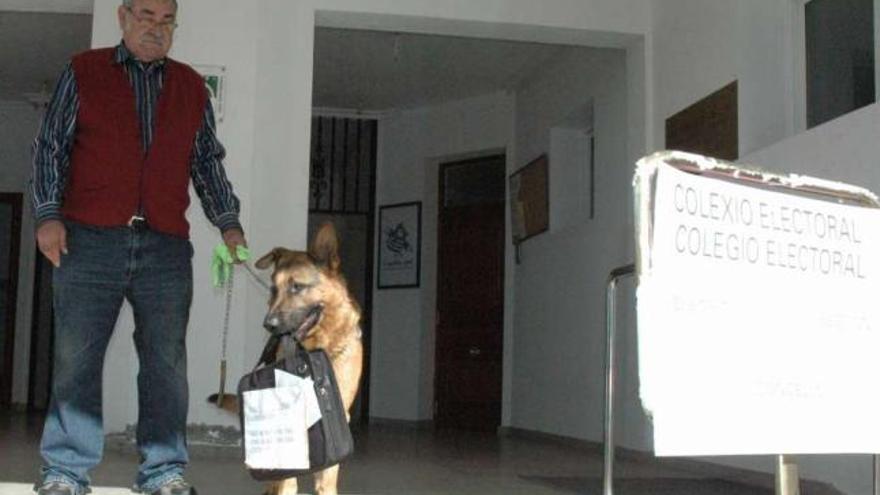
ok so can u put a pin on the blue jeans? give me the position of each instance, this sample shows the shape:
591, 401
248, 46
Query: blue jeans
105, 266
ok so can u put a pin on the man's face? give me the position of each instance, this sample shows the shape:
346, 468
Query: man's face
148, 28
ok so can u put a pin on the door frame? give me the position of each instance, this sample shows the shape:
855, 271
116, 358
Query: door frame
366, 322
42, 300
15, 201
441, 166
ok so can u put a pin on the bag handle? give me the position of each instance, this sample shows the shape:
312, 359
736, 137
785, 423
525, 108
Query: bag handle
267, 357
289, 346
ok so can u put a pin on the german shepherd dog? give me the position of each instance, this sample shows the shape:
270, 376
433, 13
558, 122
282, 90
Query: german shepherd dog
310, 299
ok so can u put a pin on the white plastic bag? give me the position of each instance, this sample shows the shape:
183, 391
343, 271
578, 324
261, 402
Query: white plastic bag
275, 431
313, 409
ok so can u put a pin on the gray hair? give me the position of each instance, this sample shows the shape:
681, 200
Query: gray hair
130, 4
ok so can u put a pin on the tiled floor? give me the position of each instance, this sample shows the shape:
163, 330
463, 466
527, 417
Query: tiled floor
396, 460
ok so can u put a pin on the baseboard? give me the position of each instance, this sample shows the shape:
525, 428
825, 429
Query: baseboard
693, 466
576, 443
224, 442
203, 441
424, 424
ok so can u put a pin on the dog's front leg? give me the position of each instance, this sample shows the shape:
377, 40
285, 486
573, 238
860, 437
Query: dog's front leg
283, 487
325, 481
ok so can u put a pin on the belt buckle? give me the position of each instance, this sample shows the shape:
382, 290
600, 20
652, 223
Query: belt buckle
137, 222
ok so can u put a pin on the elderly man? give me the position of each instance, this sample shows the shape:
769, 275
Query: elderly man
125, 132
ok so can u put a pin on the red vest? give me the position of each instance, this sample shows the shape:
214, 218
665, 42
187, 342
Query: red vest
109, 173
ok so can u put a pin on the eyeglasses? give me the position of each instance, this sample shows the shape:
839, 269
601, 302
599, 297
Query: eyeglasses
167, 25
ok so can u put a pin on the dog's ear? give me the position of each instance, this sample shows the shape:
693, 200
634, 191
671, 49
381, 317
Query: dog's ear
269, 258
325, 247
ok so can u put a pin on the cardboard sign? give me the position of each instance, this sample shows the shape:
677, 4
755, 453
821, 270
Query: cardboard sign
758, 319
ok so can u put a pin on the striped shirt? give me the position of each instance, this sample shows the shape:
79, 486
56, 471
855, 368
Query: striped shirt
54, 143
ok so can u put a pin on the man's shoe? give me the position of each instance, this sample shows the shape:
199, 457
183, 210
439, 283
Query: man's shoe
55, 488
175, 486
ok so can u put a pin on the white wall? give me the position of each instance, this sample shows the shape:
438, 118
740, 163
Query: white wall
700, 46
412, 144
578, 22
559, 308
569, 153
18, 126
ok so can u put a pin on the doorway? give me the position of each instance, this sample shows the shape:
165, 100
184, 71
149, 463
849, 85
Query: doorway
10, 239
342, 188
470, 294
42, 337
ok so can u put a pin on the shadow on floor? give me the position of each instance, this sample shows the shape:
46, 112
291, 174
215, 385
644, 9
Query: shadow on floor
650, 486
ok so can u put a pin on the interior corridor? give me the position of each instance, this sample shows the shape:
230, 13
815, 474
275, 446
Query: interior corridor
391, 459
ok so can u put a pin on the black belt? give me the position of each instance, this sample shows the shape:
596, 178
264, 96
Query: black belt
137, 223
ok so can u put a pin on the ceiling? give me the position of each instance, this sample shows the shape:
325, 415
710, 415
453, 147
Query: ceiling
379, 71
354, 70
34, 48
58, 6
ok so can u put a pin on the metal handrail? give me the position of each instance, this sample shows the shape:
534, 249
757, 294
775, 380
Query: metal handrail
611, 331
876, 460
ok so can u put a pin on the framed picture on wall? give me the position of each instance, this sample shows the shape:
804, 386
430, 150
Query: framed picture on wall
214, 76
400, 245
529, 200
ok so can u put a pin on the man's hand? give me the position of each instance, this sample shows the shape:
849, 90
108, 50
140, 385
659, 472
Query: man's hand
52, 240
233, 238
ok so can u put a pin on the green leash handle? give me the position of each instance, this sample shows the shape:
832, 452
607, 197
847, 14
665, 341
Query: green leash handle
223, 272
222, 262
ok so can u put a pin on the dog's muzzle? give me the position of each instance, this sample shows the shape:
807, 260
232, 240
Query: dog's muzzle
297, 326
272, 323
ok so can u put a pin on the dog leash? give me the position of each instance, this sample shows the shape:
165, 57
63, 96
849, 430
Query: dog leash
229, 284
256, 277
225, 333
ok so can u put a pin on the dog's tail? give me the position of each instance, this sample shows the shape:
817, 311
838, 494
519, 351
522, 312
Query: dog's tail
228, 402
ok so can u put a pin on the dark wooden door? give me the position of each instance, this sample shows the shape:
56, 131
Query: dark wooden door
42, 336
10, 238
470, 295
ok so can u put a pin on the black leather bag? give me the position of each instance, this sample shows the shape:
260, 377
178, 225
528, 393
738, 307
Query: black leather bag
330, 438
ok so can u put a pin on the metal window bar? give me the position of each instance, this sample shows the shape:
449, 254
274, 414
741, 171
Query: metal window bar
340, 172
787, 482
332, 166
316, 178
346, 160
357, 170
